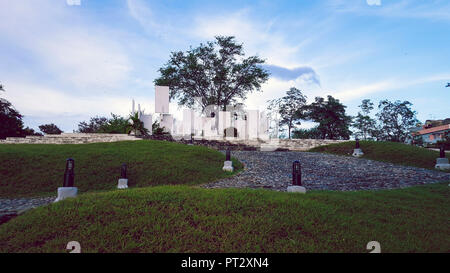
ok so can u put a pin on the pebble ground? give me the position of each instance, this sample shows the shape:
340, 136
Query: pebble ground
273, 170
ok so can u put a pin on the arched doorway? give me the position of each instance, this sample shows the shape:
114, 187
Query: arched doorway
230, 132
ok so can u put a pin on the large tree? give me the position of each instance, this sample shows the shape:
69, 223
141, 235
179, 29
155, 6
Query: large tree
11, 124
215, 73
395, 119
365, 125
290, 107
330, 114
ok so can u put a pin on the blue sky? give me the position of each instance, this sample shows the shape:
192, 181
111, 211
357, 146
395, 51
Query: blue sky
64, 63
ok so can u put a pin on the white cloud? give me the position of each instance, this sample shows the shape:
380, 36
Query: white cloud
364, 89
276, 88
349, 92
257, 37
73, 2
430, 10
84, 60
156, 23
32, 99
142, 13
71, 50
373, 2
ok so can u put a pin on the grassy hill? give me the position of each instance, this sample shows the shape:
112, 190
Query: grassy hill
393, 152
189, 219
38, 169
169, 217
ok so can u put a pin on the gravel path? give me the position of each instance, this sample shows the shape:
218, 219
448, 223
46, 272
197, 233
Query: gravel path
272, 170
10, 208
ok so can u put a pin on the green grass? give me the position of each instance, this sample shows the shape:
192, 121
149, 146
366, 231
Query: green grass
397, 153
189, 219
37, 169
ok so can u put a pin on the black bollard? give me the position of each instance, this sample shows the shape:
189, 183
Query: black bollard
442, 151
123, 171
228, 155
69, 173
357, 143
296, 173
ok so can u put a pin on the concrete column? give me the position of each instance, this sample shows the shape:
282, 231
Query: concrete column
253, 123
241, 126
188, 122
224, 121
147, 120
167, 122
162, 99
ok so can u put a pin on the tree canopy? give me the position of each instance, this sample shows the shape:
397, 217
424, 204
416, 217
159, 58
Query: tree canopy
290, 107
395, 120
330, 114
94, 125
50, 129
312, 133
364, 124
11, 124
114, 125
215, 73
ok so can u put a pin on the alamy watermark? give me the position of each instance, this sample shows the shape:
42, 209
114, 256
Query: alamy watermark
74, 246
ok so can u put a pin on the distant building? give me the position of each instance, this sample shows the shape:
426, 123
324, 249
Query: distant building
431, 132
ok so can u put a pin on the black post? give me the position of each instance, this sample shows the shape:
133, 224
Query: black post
69, 173
228, 154
296, 173
357, 143
442, 151
123, 171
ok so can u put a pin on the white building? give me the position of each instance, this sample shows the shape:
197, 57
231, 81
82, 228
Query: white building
232, 123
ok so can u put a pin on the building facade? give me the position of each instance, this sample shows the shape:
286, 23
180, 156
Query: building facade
234, 122
431, 132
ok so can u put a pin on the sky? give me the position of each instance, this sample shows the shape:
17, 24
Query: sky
64, 61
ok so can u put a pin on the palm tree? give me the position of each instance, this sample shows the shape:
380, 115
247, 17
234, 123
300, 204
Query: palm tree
136, 125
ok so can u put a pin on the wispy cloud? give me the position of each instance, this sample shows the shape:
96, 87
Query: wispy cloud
287, 74
373, 2
416, 9
156, 23
80, 54
142, 12
349, 93
258, 37
35, 99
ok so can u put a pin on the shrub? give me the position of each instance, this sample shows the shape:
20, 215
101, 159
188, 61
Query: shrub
50, 129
